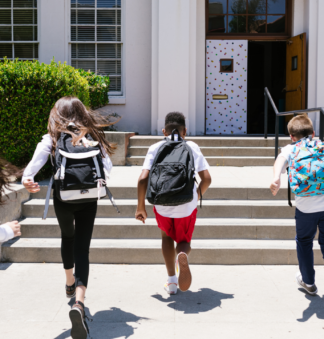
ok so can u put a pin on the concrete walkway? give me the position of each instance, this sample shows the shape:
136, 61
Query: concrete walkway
128, 301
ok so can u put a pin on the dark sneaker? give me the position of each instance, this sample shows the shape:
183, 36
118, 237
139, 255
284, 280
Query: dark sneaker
312, 290
70, 291
80, 328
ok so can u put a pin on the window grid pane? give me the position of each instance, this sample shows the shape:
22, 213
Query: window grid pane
262, 16
94, 22
18, 22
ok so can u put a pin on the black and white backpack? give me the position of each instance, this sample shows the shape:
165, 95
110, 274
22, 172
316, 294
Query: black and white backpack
79, 175
172, 175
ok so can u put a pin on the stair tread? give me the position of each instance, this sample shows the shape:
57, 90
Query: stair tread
152, 222
219, 147
156, 137
133, 202
215, 157
156, 243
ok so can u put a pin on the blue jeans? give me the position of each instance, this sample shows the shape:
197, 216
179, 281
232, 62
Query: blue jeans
306, 228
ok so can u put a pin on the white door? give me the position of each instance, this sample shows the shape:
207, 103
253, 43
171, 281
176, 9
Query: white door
226, 87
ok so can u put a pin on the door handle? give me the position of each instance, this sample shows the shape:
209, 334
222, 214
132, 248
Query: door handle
294, 90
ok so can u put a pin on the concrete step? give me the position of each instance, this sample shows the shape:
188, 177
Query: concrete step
218, 161
231, 193
217, 151
206, 141
146, 251
211, 209
206, 228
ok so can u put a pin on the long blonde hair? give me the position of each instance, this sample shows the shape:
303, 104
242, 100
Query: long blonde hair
69, 110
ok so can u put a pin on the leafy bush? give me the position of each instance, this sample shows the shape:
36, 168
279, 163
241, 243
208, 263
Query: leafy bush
98, 88
28, 91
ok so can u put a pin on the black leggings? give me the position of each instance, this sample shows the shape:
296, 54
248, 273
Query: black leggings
76, 238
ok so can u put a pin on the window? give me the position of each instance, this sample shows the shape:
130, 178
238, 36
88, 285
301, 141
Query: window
294, 63
247, 17
96, 39
18, 29
226, 66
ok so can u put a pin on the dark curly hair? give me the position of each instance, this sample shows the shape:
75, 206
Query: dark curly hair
8, 173
174, 120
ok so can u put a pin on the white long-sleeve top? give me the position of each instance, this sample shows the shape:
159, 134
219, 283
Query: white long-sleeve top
40, 157
6, 233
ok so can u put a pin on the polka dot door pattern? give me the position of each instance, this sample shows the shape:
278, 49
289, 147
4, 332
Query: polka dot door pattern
226, 116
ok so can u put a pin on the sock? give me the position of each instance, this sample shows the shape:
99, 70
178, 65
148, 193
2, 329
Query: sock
173, 279
308, 285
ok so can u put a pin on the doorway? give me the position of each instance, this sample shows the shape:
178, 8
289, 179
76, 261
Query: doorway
266, 68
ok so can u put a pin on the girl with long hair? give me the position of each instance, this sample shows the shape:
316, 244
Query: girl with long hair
76, 220
11, 229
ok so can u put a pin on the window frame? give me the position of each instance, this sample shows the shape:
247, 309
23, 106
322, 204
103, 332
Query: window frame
251, 36
95, 42
12, 42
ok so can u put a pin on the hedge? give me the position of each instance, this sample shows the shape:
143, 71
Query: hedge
98, 88
28, 91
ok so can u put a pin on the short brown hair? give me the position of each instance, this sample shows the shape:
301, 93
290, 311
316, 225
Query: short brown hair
300, 126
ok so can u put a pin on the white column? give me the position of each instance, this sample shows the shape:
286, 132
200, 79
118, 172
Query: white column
175, 59
314, 27
54, 30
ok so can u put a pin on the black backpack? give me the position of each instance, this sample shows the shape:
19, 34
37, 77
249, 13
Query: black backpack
171, 180
79, 174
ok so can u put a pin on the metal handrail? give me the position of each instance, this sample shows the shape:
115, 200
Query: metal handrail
267, 96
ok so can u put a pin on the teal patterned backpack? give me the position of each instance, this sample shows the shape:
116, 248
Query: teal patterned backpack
306, 168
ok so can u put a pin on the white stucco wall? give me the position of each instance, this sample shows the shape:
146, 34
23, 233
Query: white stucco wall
307, 16
53, 28
137, 39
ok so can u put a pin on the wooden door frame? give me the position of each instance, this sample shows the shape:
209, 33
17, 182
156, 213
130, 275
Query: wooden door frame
252, 36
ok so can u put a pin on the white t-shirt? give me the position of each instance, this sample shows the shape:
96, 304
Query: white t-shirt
201, 164
309, 204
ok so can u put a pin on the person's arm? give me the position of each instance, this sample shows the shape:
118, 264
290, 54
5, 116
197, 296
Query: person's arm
40, 157
204, 183
141, 192
9, 231
278, 168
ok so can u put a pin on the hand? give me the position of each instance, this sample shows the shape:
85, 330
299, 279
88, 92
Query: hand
141, 215
31, 187
274, 187
15, 227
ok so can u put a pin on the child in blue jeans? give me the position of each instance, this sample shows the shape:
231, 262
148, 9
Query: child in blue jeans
309, 209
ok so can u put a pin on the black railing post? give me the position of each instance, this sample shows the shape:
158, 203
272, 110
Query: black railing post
265, 115
277, 136
321, 124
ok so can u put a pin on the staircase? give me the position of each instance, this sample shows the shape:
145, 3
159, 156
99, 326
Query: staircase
240, 222
219, 151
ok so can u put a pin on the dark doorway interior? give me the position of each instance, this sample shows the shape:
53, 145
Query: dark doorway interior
266, 68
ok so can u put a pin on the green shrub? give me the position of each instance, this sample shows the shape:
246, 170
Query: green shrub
28, 91
98, 88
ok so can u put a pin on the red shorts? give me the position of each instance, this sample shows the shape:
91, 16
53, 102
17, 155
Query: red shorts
179, 229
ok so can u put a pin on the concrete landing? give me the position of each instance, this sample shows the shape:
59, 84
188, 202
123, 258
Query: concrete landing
226, 302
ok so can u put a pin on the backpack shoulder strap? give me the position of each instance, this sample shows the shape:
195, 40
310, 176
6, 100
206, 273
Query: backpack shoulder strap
289, 190
48, 194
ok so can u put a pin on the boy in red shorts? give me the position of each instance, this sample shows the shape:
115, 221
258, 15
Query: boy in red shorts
177, 223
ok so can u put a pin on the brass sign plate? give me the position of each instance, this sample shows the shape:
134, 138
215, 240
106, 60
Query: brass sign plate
220, 96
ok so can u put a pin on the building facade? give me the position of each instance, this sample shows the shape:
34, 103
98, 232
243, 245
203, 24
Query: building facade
209, 59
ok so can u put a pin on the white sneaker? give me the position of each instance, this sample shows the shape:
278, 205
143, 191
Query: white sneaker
171, 288
312, 290
183, 272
